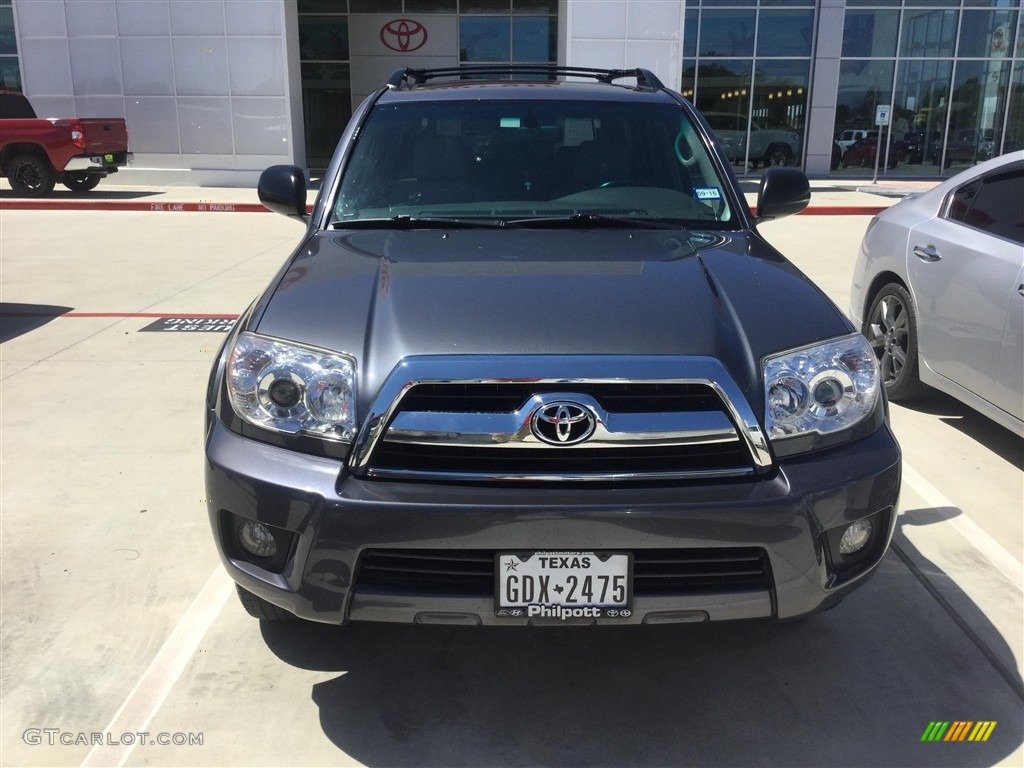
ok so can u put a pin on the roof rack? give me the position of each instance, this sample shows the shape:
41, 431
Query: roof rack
408, 77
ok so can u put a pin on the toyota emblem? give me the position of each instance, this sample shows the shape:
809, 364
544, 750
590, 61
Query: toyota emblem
403, 35
563, 423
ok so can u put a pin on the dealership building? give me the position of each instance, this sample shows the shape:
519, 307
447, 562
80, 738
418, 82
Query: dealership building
215, 90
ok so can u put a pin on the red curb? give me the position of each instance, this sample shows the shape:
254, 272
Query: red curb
117, 205
129, 205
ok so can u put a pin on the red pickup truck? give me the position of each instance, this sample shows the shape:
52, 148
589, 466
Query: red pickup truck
36, 153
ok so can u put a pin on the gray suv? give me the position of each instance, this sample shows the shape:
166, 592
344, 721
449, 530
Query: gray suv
749, 141
531, 363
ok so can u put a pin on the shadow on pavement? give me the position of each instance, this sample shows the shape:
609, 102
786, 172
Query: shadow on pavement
965, 419
856, 686
17, 319
97, 194
960, 608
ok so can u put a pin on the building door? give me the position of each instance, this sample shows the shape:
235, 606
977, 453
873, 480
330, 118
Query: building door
326, 77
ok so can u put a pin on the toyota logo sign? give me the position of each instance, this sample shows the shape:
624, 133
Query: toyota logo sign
403, 35
563, 423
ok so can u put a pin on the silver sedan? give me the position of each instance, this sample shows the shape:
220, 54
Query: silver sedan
938, 289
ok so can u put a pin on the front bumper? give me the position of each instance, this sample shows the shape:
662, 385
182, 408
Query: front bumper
335, 518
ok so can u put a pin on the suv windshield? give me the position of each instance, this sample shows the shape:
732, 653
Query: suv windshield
526, 163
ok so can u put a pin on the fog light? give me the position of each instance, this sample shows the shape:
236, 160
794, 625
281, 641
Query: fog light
855, 537
259, 541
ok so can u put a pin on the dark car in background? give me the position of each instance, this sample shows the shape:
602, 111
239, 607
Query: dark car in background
862, 153
911, 147
531, 362
958, 150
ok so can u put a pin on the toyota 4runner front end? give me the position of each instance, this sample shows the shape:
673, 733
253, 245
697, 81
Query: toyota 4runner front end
532, 363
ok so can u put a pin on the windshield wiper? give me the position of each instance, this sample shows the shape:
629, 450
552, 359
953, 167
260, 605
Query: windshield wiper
593, 221
416, 222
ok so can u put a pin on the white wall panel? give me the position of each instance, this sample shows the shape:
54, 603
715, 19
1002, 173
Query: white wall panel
260, 126
254, 17
205, 126
148, 66
46, 67
41, 18
152, 124
197, 17
256, 66
91, 18
200, 66
96, 66
143, 17
626, 33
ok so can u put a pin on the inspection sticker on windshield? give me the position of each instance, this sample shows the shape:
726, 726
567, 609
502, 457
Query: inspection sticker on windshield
564, 585
707, 193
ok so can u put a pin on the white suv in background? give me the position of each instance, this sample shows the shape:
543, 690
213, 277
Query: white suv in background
851, 136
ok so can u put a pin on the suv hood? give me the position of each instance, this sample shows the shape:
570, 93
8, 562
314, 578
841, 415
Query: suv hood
385, 295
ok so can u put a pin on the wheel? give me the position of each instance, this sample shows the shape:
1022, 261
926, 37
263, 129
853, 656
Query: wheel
259, 608
891, 329
81, 182
30, 176
778, 155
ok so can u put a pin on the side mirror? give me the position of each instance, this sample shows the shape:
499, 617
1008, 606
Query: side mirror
282, 189
783, 192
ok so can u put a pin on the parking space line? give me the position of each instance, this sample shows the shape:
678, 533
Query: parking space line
152, 689
975, 535
1009, 675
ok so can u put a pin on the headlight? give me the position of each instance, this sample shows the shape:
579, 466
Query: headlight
823, 388
289, 388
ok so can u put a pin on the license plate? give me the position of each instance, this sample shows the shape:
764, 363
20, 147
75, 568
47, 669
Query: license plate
564, 585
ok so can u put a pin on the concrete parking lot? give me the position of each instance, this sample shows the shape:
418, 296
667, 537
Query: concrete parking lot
117, 619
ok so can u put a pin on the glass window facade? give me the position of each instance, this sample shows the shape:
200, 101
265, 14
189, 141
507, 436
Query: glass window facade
520, 31
326, 76
951, 72
10, 72
747, 68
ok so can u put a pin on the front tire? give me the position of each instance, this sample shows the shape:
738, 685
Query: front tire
891, 329
81, 182
259, 608
30, 176
778, 156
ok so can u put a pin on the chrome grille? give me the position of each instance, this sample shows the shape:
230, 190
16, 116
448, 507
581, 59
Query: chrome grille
567, 462
618, 397
481, 424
